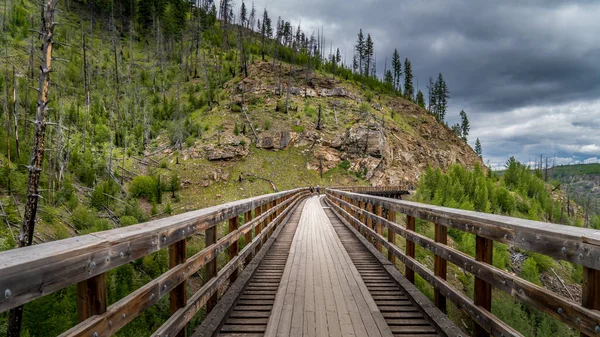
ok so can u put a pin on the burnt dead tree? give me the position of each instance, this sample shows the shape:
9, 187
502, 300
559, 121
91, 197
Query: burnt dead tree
48, 23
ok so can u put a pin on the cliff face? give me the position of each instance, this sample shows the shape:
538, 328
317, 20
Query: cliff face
385, 140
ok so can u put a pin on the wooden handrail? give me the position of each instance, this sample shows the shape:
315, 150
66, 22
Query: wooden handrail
31, 272
577, 245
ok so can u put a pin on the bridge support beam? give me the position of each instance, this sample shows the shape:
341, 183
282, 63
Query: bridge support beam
248, 236
234, 224
441, 236
210, 238
378, 212
391, 216
91, 297
484, 249
591, 290
410, 248
178, 296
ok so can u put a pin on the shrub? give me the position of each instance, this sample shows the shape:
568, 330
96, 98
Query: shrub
345, 165
530, 271
128, 220
190, 141
267, 125
298, 128
143, 186
83, 218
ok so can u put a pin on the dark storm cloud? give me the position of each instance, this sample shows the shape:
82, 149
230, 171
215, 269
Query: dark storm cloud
527, 72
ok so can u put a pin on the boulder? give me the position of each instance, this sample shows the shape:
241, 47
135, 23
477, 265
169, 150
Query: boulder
225, 152
361, 140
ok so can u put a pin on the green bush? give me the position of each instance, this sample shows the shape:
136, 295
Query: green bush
530, 271
190, 141
128, 220
267, 125
83, 218
298, 128
144, 187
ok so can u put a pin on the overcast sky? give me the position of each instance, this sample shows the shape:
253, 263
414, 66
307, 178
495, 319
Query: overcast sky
526, 72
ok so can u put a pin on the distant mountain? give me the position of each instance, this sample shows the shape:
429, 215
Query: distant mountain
582, 182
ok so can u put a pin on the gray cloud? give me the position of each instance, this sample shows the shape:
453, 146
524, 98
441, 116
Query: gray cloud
526, 72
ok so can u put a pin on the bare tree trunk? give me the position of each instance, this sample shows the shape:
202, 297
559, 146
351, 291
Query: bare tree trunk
15, 103
87, 90
35, 167
7, 116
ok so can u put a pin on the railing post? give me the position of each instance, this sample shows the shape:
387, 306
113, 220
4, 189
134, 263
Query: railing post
210, 238
410, 248
91, 297
178, 296
441, 236
257, 213
484, 249
590, 297
234, 224
248, 236
378, 212
391, 216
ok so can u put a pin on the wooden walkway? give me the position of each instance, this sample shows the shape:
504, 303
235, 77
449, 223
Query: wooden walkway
321, 292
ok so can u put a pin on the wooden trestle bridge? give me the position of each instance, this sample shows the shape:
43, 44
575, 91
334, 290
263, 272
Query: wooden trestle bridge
291, 264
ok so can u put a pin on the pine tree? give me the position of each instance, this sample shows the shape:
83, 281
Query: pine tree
457, 130
388, 78
397, 67
338, 57
409, 90
478, 148
368, 55
243, 14
252, 17
360, 51
266, 31
441, 98
464, 125
432, 97
421, 99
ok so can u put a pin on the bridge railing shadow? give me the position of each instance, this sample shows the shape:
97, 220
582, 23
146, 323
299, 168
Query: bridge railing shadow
32, 272
375, 218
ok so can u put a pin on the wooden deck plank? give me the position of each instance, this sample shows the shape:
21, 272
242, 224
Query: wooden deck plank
321, 292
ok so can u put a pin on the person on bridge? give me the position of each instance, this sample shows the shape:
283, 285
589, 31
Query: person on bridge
318, 190
312, 190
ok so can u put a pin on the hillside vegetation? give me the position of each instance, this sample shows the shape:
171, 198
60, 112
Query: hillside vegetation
521, 193
157, 108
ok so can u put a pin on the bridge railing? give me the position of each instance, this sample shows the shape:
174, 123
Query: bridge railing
32, 272
371, 214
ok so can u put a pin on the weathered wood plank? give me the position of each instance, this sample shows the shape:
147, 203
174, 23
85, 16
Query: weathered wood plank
544, 300
31, 272
391, 216
490, 322
567, 243
484, 249
234, 224
178, 296
441, 236
410, 248
591, 294
91, 297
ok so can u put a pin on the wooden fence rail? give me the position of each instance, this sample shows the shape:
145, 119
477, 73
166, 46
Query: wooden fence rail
573, 244
32, 272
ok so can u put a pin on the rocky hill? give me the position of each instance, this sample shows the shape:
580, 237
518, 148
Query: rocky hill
382, 139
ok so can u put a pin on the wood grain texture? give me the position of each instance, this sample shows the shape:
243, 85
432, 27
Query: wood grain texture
440, 265
91, 297
321, 289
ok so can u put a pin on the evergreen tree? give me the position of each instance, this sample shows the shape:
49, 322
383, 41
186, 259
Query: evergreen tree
368, 55
457, 130
243, 15
265, 31
441, 95
388, 78
464, 125
397, 67
409, 90
478, 148
421, 99
338, 57
360, 51
432, 97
